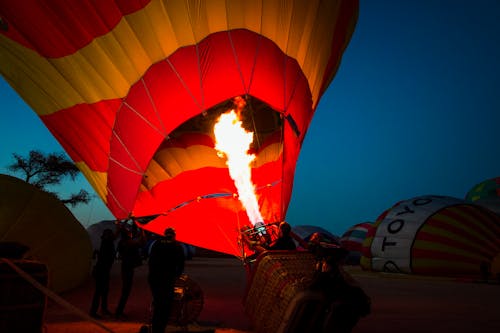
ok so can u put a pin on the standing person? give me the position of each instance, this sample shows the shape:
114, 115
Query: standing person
129, 251
166, 264
101, 272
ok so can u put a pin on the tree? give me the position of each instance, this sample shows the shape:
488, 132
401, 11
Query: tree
43, 170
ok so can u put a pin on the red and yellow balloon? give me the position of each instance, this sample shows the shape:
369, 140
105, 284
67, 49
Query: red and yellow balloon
131, 90
433, 235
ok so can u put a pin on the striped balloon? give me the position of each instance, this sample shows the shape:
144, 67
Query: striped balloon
131, 90
354, 237
433, 235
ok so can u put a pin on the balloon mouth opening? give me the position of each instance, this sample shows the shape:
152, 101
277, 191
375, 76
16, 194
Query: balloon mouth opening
256, 115
192, 144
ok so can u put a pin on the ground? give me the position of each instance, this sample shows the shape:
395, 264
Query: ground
400, 303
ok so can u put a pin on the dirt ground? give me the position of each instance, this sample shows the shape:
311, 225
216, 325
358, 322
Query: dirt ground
400, 303
222, 280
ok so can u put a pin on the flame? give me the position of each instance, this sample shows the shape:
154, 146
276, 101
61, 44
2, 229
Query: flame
233, 141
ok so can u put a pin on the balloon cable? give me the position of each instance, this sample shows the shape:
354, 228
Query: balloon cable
56, 298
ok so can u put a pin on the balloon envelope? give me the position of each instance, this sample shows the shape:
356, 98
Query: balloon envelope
434, 235
54, 236
486, 194
354, 237
131, 90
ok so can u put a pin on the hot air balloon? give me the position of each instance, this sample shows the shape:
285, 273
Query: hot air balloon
352, 240
486, 194
132, 89
433, 235
53, 235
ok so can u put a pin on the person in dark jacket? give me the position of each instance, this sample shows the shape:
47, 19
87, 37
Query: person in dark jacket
101, 272
166, 264
129, 251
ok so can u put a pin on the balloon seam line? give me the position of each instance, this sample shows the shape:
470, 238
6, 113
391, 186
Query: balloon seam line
125, 167
238, 65
142, 117
110, 193
183, 83
141, 172
148, 93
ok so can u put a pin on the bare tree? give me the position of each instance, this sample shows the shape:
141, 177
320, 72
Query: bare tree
43, 170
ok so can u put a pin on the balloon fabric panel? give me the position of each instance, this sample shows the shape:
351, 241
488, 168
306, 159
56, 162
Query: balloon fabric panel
469, 221
158, 14
84, 131
61, 35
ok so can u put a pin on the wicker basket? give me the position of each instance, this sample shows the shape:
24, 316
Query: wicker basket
277, 278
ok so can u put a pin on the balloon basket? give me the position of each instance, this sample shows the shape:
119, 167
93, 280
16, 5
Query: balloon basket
278, 278
22, 306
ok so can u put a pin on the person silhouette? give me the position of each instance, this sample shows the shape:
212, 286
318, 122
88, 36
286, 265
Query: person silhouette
129, 251
101, 272
166, 264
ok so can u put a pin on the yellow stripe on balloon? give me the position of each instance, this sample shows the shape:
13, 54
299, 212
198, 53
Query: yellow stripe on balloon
170, 162
444, 233
110, 64
98, 180
270, 153
462, 225
438, 247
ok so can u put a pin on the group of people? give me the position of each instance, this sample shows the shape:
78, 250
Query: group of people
165, 266
346, 300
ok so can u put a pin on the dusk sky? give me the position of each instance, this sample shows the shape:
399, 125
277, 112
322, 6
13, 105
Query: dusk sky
414, 109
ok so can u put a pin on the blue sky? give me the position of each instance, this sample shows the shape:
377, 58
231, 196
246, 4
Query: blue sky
414, 109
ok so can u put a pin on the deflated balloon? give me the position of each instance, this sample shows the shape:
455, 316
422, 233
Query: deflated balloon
53, 235
131, 90
433, 235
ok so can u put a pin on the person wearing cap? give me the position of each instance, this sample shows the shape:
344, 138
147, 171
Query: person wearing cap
166, 264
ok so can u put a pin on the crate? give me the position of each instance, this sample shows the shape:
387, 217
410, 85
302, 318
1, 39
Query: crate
22, 306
